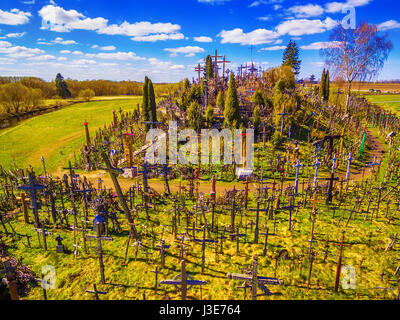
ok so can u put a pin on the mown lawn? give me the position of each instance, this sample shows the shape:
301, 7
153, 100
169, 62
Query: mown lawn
56, 135
391, 102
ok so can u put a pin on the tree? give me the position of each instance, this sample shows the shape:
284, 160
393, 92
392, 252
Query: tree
210, 115
220, 101
256, 120
87, 94
312, 79
152, 103
327, 85
356, 54
194, 116
209, 67
258, 98
145, 105
13, 97
62, 87
232, 112
291, 57
322, 85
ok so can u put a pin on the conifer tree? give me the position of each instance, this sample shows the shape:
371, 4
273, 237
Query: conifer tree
327, 86
232, 112
220, 101
209, 67
256, 120
194, 116
291, 57
152, 103
210, 115
62, 87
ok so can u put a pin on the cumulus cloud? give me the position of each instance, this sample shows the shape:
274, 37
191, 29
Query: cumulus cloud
274, 48
58, 40
335, 7
299, 27
306, 11
14, 17
189, 51
203, 39
116, 56
15, 35
320, 45
259, 36
388, 25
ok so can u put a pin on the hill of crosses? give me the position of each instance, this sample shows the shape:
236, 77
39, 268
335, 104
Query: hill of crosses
306, 209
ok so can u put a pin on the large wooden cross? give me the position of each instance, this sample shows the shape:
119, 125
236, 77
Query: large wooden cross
183, 282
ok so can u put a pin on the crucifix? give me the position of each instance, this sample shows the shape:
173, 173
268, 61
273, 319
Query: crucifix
254, 280
99, 238
44, 233
339, 264
296, 184
316, 165
32, 188
128, 152
96, 292
24, 200
113, 172
331, 181
162, 247
156, 272
199, 69
290, 208
283, 115
256, 230
11, 279
72, 175
183, 282
203, 248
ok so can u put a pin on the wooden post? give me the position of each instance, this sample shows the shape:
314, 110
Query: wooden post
87, 134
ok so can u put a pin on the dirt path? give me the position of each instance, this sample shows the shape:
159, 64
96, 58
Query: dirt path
377, 151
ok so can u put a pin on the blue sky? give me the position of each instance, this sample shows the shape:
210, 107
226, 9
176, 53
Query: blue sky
128, 39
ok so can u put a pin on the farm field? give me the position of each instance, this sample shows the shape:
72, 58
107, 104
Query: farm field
56, 135
390, 102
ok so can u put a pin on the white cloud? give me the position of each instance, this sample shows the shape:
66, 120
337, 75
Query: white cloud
116, 56
213, 1
265, 18
274, 48
320, 45
309, 10
15, 35
83, 62
203, 39
105, 48
165, 65
189, 51
14, 17
159, 37
388, 25
77, 52
335, 7
60, 20
19, 52
259, 36
45, 57
60, 41
65, 51
299, 27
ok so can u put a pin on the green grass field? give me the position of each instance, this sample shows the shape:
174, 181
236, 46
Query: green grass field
56, 135
391, 101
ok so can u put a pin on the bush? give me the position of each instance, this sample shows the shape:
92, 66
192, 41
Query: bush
87, 94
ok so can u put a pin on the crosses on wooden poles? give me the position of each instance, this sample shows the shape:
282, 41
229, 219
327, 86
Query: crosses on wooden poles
331, 180
72, 175
316, 165
156, 272
32, 188
296, 185
256, 230
99, 238
203, 242
96, 292
44, 233
254, 280
283, 115
183, 281
162, 247
113, 171
11, 279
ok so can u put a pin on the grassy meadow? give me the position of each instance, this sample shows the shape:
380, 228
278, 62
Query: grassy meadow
56, 135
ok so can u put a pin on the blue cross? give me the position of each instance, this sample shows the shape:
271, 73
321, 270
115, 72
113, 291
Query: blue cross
349, 159
296, 185
316, 164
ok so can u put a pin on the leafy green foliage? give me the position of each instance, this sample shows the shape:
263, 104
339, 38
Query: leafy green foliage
232, 112
62, 87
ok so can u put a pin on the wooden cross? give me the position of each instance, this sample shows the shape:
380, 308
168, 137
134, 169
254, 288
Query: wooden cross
24, 200
339, 264
283, 115
112, 171
32, 188
254, 280
87, 134
290, 208
11, 279
331, 181
237, 235
256, 230
162, 247
156, 272
96, 292
185, 281
44, 233
72, 175
199, 69
203, 242
99, 238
